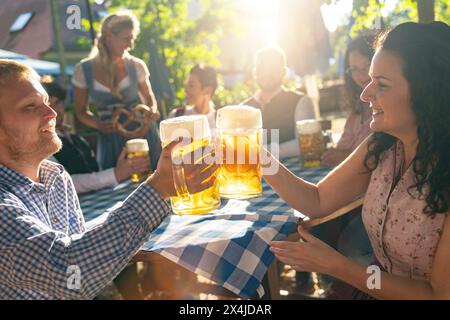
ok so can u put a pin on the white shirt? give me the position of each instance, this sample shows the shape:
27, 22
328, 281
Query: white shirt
190, 111
79, 80
86, 182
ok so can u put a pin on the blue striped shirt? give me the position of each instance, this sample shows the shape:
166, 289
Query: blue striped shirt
43, 235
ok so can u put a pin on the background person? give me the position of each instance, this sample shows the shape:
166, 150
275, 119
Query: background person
200, 88
357, 126
281, 108
111, 76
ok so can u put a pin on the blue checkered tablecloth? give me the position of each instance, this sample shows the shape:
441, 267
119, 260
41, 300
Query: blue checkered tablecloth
230, 246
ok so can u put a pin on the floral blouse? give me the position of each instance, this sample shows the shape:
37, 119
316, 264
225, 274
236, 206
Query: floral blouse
357, 128
404, 239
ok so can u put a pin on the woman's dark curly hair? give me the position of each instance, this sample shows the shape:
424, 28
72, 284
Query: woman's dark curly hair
424, 50
364, 46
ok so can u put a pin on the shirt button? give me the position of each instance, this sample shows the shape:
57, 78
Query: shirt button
380, 222
384, 207
54, 220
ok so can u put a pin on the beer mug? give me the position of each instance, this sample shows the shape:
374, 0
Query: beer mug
137, 148
311, 143
197, 128
239, 130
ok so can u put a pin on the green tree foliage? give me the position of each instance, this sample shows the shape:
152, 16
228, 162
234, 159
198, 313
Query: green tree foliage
368, 13
368, 16
442, 10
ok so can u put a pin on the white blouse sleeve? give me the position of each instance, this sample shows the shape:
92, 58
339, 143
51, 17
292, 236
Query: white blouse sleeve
141, 70
85, 182
172, 113
78, 78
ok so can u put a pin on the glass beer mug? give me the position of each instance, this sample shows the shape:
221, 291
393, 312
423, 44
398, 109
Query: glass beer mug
138, 148
197, 128
311, 142
239, 130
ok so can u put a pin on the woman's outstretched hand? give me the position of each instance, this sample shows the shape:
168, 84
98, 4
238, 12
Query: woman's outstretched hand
311, 255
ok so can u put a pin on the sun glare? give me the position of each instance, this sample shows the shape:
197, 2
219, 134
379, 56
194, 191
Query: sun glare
265, 13
336, 13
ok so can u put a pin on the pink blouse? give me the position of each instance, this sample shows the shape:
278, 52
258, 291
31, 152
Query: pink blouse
356, 129
404, 239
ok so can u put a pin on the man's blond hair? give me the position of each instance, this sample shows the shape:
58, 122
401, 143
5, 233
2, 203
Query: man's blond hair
10, 69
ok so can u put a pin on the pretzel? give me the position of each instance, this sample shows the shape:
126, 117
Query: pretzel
131, 116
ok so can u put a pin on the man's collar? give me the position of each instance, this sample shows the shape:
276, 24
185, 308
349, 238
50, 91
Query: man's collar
48, 172
13, 179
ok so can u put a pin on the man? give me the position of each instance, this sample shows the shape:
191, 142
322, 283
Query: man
79, 161
200, 88
76, 155
42, 232
281, 108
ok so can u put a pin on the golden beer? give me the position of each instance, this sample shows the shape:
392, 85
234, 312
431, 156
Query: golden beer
311, 143
138, 148
239, 133
197, 128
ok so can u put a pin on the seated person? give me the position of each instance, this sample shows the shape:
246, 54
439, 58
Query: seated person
200, 88
357, 63
76, 155
280, 108
42, 230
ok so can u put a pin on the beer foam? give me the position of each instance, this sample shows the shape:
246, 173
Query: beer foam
194, 126
239, 117
309, 126
137, 145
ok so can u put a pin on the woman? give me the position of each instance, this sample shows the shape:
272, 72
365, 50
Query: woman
111, 77
357, 63
402, 169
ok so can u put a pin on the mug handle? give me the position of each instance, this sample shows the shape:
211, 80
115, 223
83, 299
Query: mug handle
179, 180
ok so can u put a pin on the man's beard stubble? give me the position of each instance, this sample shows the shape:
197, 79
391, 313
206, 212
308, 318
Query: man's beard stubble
43, 149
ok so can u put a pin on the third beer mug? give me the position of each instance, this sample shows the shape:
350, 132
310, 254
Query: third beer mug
137, 148
197, 128
311, 143
239, 131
